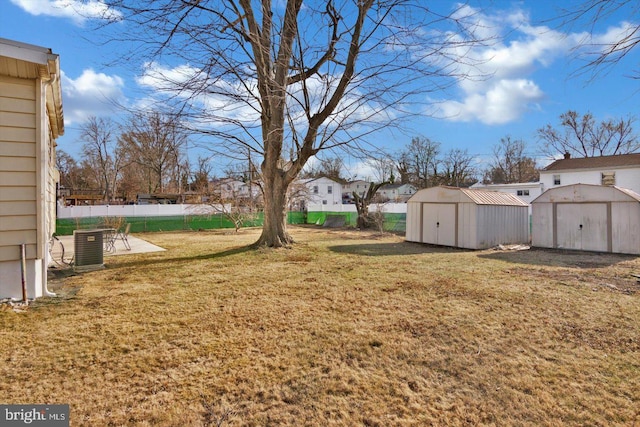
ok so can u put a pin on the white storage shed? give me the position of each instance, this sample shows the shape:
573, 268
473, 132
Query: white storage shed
587, 217
466, 218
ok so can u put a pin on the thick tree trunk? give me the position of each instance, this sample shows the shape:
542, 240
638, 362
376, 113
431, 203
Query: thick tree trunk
274, 230
362, 207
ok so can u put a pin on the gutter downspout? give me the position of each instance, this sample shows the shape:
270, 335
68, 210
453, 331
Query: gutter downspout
23, 271
45, 259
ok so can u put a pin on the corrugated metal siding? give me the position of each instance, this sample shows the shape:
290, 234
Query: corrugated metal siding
413, 222
17, 167
502, 225
542, 225
467, 225
625, 227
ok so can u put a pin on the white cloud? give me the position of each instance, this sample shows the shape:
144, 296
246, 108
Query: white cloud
223, 99
76, 10
504, 89
614, 34
503, 102
91, 94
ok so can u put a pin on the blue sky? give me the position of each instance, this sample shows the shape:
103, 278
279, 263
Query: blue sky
533, 69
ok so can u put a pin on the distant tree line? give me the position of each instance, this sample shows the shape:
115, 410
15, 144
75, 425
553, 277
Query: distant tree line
423, 164
147, 154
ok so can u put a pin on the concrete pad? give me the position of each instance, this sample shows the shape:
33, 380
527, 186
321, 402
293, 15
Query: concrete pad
138, 246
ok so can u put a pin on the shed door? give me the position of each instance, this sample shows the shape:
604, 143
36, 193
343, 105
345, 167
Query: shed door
439, 224
582, 226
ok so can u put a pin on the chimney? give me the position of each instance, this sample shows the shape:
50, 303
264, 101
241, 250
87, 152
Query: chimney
567, 155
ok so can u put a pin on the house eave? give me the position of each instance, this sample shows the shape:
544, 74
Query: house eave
26, 61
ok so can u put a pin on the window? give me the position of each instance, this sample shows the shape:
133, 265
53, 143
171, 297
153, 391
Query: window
329, 189
324, 202
556, 179
315, 189
523, 192
608, 178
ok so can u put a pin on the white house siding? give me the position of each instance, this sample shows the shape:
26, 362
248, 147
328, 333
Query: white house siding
30, 120
18, 183
625, 177
323, 191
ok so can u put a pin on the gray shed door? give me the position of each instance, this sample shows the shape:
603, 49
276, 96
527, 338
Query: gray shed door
439, 224
582, 226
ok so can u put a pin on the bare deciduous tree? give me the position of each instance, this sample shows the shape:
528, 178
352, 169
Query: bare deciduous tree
581, 136
420, 162
71, 174
383, 174
601, 54
101, 154
201, 176
458, 169
510, 164
330, 167
155, 143
288, 79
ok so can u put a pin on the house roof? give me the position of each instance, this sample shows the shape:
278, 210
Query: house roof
600, 162
445, 194
26, 61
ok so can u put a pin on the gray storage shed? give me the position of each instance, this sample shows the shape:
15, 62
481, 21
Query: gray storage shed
466, 218
587, 217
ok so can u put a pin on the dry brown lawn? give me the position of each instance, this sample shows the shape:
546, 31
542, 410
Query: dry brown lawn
343, 329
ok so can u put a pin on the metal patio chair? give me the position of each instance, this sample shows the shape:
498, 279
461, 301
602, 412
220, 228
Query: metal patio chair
123, 235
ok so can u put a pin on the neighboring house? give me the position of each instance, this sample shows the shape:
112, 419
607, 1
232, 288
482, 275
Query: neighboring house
359, 186
622, 170
396, 193
31, 119
527, 191
316, 191
231, 189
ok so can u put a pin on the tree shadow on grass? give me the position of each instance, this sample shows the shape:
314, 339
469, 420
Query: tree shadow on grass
558, 258
178, 260
387, 249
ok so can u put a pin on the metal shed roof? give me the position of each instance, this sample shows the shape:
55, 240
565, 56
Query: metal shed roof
587, 193
466, 195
